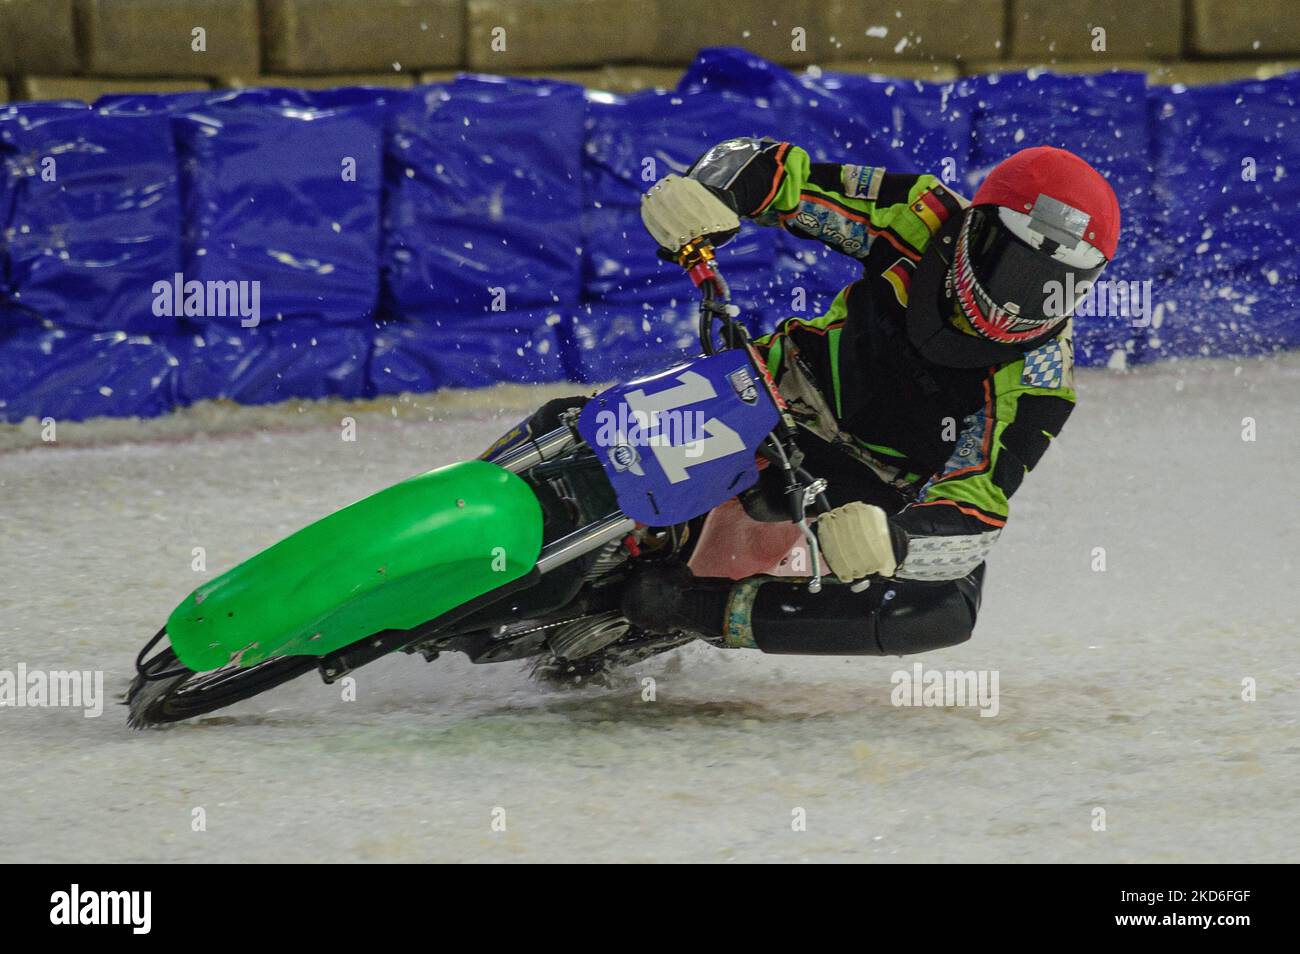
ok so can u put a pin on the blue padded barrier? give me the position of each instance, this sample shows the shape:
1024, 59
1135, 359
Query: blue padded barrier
72, 374
92, 217
522, 346
491, 231
287, 196
611, 341
1226, 310
484, 188
482, 234
1227, 195
276, 361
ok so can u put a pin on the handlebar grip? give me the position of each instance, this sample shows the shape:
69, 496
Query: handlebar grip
698, 259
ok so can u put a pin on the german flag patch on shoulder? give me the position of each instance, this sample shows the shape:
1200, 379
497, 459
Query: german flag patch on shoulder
932, 209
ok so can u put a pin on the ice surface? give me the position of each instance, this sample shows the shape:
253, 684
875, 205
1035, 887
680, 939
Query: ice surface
1120, 689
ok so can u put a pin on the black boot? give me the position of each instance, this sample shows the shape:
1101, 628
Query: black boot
889, 618
667, 599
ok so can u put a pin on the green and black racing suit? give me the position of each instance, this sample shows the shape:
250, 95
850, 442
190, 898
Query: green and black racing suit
941, 448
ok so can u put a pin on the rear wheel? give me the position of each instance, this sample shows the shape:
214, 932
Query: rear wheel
165, 691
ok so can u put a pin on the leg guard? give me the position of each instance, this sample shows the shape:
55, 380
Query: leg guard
890, 618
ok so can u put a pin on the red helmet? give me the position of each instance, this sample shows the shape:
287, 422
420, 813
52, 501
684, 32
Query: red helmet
1039, 231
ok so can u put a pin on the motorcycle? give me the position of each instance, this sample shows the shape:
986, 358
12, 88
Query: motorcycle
522, 553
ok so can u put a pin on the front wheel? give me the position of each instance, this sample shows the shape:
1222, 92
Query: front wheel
165, 691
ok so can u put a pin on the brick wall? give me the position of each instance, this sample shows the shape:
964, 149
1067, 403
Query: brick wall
84, 48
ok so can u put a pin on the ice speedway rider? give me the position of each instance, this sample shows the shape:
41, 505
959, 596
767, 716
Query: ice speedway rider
912, 410
926, 392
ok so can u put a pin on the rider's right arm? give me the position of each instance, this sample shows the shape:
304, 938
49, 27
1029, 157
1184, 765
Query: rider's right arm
845, 206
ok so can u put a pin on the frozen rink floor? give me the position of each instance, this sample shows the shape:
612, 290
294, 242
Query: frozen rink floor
1119, 690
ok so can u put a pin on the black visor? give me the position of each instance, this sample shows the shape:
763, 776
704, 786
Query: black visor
1010, 290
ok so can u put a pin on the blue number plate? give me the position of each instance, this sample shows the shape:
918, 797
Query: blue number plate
678, 443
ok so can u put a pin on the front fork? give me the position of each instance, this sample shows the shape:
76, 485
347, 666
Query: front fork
584, 540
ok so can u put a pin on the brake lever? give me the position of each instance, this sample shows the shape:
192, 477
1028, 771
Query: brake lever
810, 495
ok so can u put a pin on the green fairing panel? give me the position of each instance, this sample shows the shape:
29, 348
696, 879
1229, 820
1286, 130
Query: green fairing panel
391, 561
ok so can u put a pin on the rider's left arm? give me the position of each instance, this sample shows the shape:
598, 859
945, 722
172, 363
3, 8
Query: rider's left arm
847, 207
964, 507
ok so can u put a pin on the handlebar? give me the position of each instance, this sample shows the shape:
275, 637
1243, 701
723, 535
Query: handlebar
700, 263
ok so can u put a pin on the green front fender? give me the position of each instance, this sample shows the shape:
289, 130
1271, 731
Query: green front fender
391, 561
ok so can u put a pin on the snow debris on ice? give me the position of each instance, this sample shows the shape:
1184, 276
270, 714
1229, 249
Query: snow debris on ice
1120, 689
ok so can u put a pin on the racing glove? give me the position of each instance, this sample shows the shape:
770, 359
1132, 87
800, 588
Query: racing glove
676, 211
858, 540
